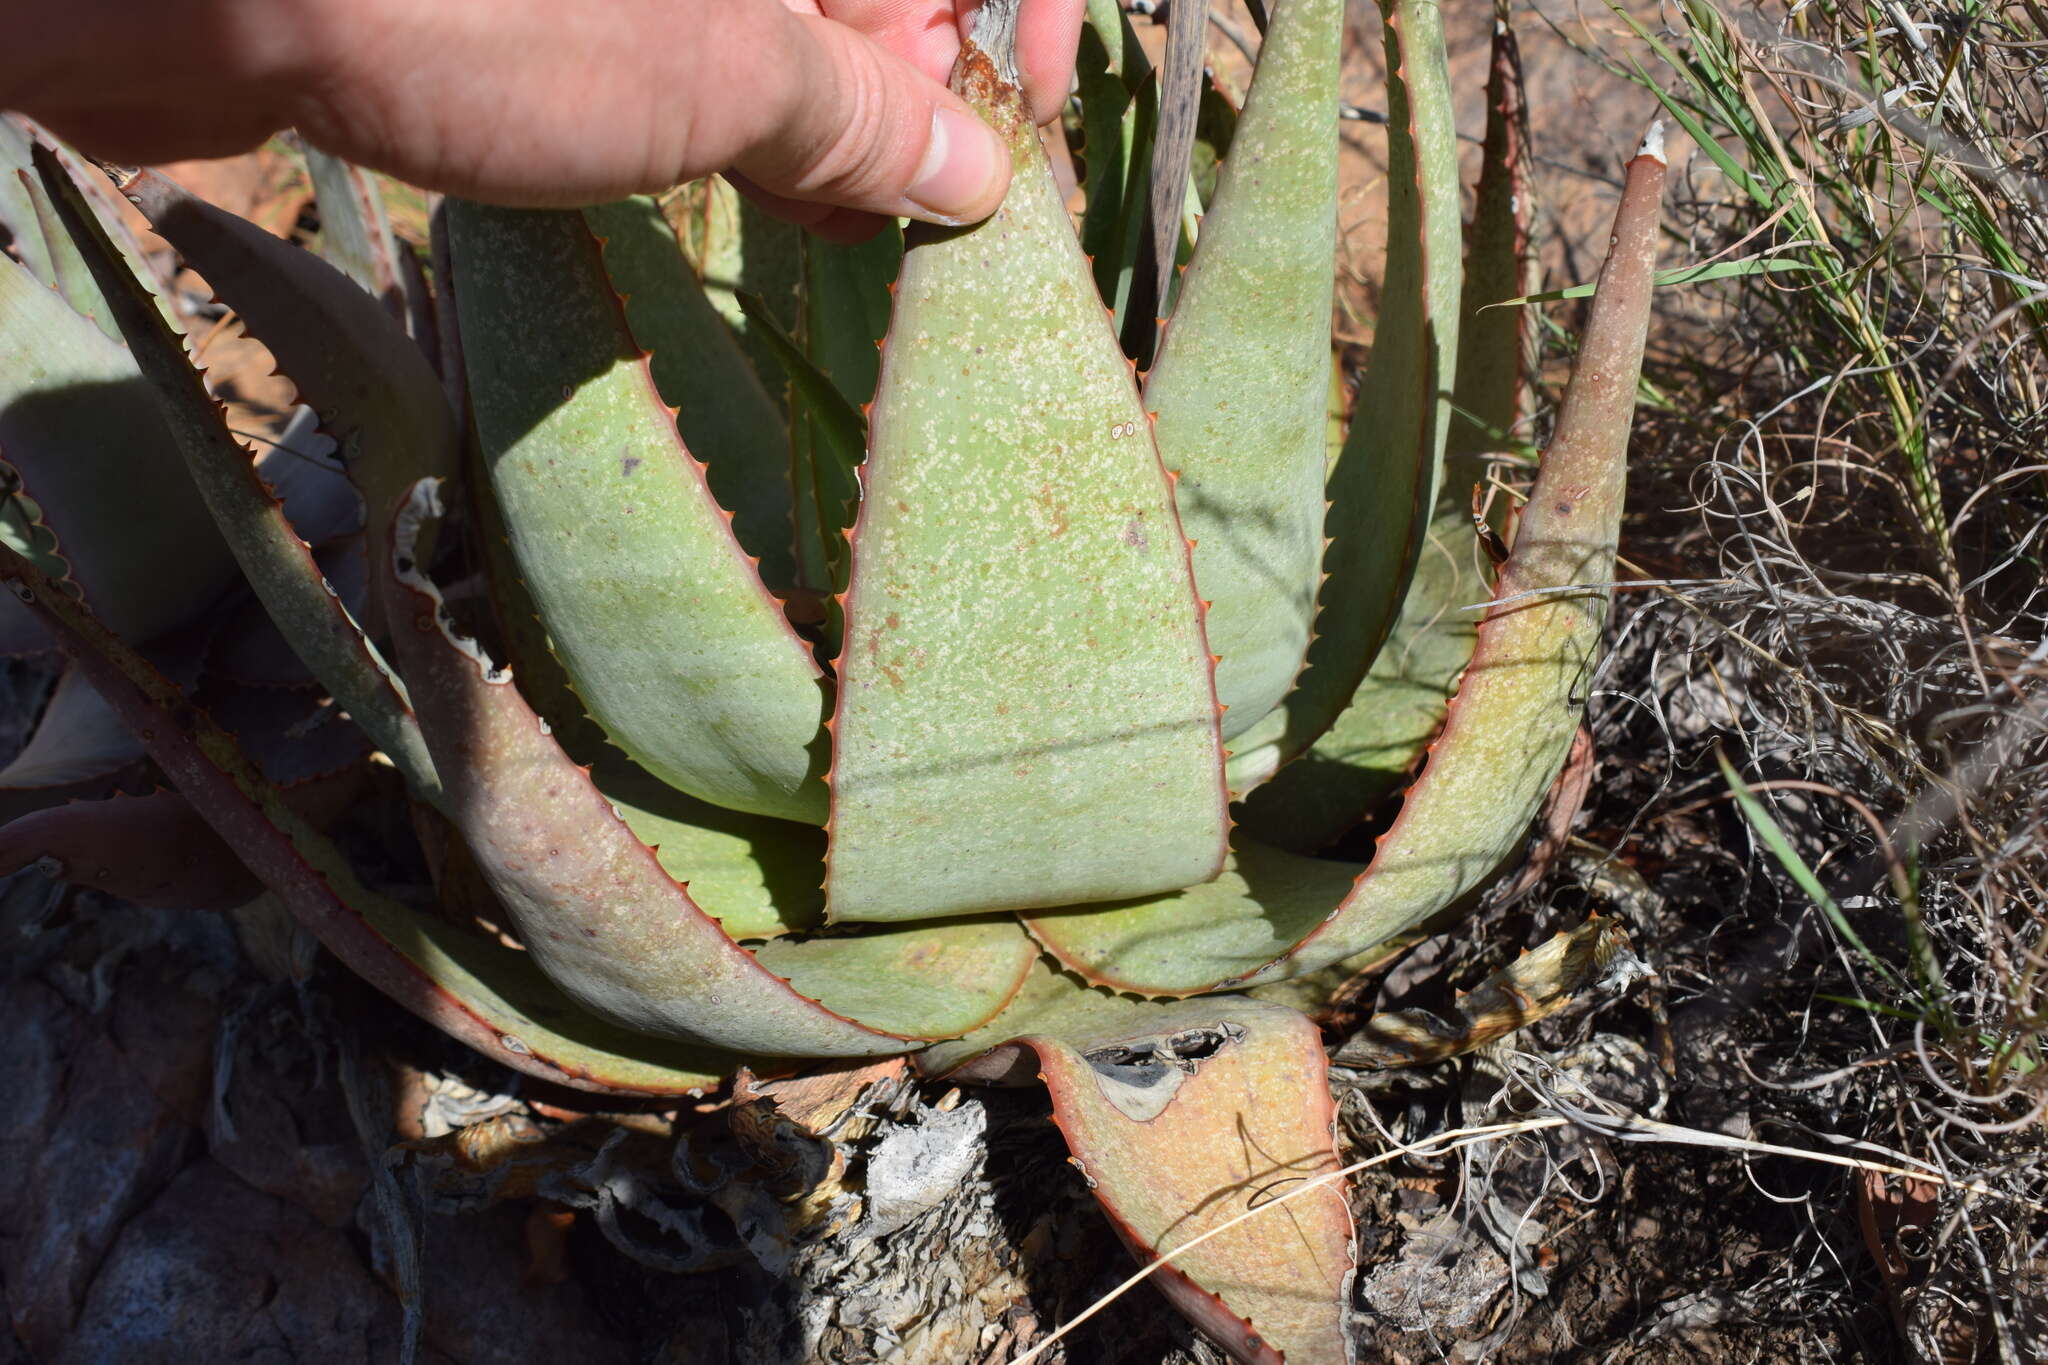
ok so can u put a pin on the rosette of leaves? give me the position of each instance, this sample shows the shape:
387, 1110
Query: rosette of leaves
837, 703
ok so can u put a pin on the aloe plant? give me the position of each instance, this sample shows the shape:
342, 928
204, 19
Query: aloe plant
900, 706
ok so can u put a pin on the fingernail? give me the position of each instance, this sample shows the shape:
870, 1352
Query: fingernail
963, 162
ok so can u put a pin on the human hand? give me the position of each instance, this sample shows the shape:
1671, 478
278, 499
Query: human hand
829, 112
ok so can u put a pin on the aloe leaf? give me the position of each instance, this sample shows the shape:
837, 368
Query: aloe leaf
846, 315
1372, 748
77, 737
1024, 666
1170, 1114
1244, 366
1385, 480
42, 242
279, 566
735, 248
488, 997
153, 850
833, 441
595, 908
68, 273
374, 389
676, 647
726, 418
356, 237
932, 979
1508, 731
1180, 102
111, 503
1265, 902
758, 877
1107, 24
1119, 113
1214, 130
303, 470
18, 216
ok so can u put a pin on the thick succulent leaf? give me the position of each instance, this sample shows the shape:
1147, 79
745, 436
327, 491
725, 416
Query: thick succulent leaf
1373, 748
68, 274
77, 737
18, 216
43, 244
1108, 25
375, 391
927, 980
1180, 103
250, 650
593, 905
737, 249
489, 997
756, 876
652, 606
846, 315
1495, 345
291, 735
1119, 113
1191, 940
153, 850
727, 419
1183, 1117
303, 470
1214, 130
1509, 727
1243, 369
830, 442
1385, 480
356, 236
278, 565
1026, 712
760, 879
111, 502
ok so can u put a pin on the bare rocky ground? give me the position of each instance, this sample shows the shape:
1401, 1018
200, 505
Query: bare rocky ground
215, 1146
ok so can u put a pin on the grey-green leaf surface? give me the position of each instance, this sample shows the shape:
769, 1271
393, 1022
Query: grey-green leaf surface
489, 997
758, 877
278, 565
1243, 369
374, 389
41, 242
846, 315
726, 418
18, 201
1508, 730
1169, 1112
671, 640
1385, 480
603, 918
1026, 713
355, 232
1119, 111
112, 504
735, 248
830, 442
1374, 746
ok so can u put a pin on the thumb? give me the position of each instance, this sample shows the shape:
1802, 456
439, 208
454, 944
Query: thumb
848, 122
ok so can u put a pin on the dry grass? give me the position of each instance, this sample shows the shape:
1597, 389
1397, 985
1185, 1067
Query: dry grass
1840, 471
